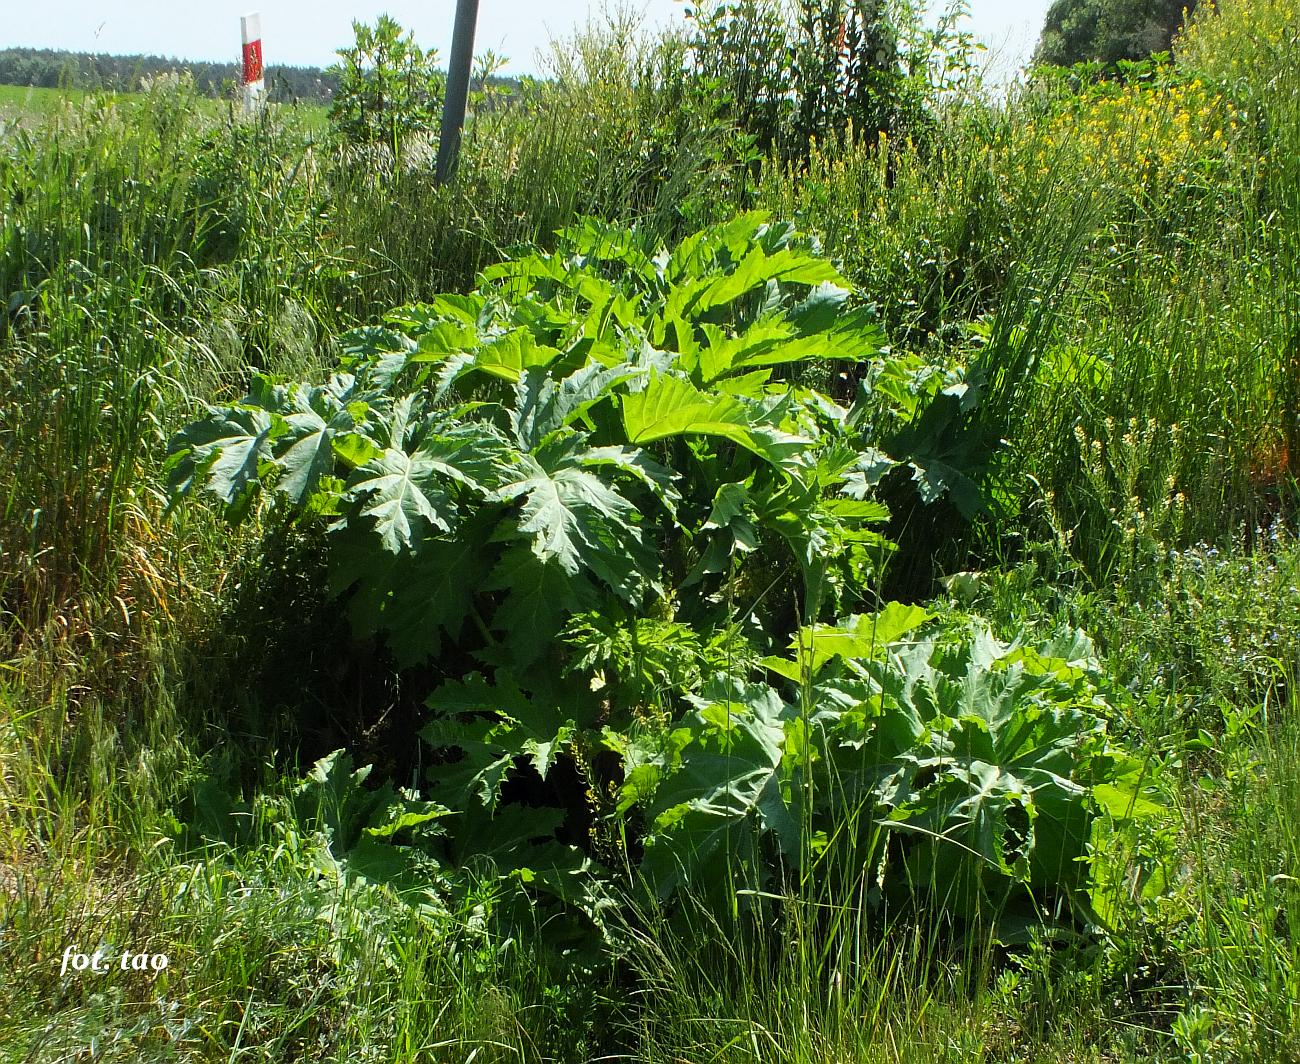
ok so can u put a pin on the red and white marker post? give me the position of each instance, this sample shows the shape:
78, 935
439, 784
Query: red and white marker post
254, 83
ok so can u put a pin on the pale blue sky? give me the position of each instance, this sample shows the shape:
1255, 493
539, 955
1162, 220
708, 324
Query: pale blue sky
306, 32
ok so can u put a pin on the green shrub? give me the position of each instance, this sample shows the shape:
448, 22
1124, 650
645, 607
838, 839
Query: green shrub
590, 497
388, 87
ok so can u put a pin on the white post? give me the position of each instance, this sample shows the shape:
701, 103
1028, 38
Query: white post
254, 84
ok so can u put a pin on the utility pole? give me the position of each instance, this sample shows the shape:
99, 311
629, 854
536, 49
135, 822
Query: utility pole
458, 70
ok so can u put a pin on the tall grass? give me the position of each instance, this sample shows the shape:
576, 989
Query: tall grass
1161, 217
612, 131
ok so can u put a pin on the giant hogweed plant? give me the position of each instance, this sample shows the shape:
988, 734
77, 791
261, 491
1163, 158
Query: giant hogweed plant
594, 497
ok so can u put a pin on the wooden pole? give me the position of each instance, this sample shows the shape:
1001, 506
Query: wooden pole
458, 71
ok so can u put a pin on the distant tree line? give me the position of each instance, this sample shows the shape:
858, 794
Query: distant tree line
48, 68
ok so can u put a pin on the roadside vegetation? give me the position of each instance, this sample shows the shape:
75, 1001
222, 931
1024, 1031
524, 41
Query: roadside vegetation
788, 557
